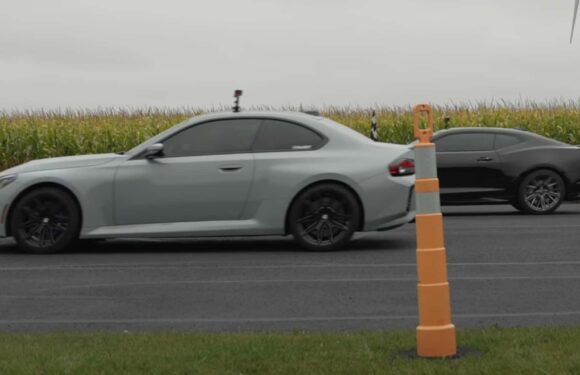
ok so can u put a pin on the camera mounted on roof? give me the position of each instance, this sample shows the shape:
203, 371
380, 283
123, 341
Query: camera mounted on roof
237, 94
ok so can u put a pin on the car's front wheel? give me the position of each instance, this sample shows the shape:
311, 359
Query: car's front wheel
540, 192
324, 217
45, 220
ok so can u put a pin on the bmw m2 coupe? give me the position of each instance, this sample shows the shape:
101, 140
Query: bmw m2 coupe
228, 174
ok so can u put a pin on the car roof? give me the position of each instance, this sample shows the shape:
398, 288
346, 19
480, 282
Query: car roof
527, 135
296, 116
316, 122
481, 129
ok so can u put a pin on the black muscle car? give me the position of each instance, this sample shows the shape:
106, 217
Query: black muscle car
494, 165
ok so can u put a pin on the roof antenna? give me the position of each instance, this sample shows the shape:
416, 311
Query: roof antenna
237, 95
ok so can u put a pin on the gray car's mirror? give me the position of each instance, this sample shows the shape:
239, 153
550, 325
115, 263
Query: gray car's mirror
154, 151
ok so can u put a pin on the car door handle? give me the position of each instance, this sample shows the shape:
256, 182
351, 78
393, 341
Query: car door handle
230, 168
485, 158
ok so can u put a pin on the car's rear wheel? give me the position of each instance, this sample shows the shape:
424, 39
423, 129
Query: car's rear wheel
540, 192
45, 220
324, 217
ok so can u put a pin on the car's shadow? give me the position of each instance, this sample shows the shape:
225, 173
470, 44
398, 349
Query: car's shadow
217, 245
569, 209
502, 213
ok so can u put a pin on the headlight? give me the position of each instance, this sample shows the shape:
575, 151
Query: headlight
7, 180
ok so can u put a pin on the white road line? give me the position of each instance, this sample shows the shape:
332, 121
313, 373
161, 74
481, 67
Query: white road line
45, 297
282, 320
306, 281
452, 224
273, 266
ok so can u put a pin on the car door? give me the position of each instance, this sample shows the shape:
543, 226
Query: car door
205, 173
468, 167
284, 152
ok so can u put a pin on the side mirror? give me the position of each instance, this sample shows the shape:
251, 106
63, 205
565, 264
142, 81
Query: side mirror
153, 151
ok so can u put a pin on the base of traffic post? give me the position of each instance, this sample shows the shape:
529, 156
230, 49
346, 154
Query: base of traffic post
462, 352
436, 341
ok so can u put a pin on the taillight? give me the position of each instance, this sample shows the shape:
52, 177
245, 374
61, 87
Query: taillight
402, 167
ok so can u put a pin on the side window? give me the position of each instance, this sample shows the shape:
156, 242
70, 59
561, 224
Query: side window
278, 135
213, 138
465, 142
504, 140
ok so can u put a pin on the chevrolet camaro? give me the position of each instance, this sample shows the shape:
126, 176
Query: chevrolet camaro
494, 165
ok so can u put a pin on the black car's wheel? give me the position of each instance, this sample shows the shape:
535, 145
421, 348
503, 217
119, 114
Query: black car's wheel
45, 220
541, 192
324, 217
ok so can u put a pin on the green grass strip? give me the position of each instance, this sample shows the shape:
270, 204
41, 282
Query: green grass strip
523, 351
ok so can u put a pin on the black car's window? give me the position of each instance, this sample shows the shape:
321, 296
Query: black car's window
465, 142
504, 140
213, 138
278, 135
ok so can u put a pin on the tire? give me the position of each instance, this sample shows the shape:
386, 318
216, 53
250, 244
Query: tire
541, 192
45, 220
324, 217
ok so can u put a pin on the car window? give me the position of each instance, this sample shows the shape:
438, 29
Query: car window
465, 142
276, 135
504, 140
213, 138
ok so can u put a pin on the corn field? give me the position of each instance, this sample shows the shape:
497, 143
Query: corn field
40, 134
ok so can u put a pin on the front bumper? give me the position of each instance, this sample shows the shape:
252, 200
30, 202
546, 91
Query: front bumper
3, 216
7, 196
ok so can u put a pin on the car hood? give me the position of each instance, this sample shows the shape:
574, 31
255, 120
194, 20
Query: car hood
62, 162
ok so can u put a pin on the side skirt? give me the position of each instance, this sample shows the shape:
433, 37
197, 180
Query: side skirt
187, 229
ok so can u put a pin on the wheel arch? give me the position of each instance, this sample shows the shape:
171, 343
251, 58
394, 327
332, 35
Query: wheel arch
30, 188
360, 224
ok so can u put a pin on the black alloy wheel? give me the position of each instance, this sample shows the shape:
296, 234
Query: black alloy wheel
541, 192
324, 217
45, 220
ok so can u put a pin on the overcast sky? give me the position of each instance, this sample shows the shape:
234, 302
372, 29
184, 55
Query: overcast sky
171, 53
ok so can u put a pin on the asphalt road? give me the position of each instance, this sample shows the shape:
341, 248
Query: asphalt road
505, 269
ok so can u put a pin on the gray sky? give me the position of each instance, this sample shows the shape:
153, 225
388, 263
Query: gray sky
171, 53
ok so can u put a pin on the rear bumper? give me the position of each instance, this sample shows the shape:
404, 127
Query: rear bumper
573, 192
397, 222
389, 204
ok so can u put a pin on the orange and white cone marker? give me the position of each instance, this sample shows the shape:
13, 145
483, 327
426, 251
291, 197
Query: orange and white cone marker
435, 334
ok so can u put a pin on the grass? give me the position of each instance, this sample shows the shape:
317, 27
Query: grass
33, 135
502, 351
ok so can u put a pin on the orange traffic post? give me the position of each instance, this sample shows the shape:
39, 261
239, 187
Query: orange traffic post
435, 334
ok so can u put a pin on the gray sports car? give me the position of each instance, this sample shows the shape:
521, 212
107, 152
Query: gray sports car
227, 174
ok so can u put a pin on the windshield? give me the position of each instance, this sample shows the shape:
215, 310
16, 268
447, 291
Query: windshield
157, 137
